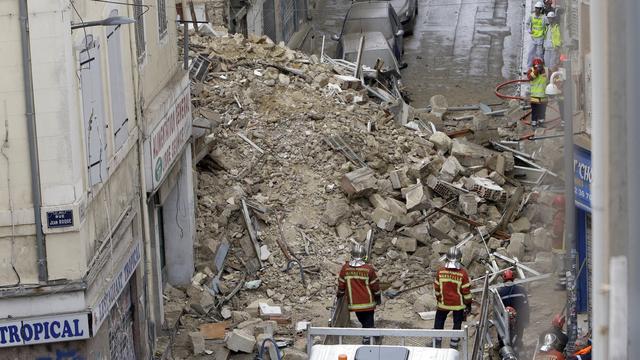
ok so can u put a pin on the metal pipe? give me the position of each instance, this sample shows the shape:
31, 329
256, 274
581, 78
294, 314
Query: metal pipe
32, 136
185, 45
599, 188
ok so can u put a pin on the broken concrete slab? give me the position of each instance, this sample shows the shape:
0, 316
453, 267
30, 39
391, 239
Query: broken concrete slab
450, 169
521, 225
240, 341
416, 198
442, 142
336, 210
383, 219
344, 230
405, 244
494, 243
358, 183
399, 178
468, 204
378, 201
419, 232
470, 154
497, 178
439, 105
397, 208
516, 247
441, 228
541, 239
197, 342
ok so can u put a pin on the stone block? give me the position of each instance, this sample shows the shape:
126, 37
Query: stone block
197, 342
360, 182
541, 239
497, 178
450, 169
468, 204
397, 208
496, 163
494, 243
470, 154
419, 232
409, 219
521, 225
442, 142
240, 341
416, 198
516, 247
425, 302
383, 219
344, 230
439, 105
378, 200
336, 210
443, 226
406, 244
399, 178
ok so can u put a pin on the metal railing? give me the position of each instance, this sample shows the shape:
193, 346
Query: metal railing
340, 333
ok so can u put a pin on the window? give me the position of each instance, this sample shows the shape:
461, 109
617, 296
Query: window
141, 46
118, 104
93, 110
162, 18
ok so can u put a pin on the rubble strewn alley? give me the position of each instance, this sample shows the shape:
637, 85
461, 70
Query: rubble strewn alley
302, 162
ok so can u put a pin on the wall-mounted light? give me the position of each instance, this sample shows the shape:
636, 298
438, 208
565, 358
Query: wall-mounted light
110, 21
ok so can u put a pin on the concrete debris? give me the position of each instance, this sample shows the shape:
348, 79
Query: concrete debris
442, 142
240, 341
197, 342
335, 211
391, 178
358, 183
383, 219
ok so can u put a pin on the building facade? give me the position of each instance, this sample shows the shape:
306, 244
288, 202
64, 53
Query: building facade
96, 185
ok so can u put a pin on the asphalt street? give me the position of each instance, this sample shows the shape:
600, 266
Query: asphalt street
460, 48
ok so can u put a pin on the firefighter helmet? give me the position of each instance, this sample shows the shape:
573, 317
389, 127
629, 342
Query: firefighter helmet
507, 275
558, 321
558, 201
551, 15
454, 255
538, 61
549, 342
357, 252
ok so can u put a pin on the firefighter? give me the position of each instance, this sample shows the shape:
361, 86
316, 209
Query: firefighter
515, 296
560, 337
548, 350
538, 77
358, 280
453, 293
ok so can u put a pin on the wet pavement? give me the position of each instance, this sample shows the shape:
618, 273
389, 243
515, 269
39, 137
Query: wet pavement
460, 48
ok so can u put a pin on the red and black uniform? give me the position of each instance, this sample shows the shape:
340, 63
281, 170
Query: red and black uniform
360, 285
453, 293
552, 354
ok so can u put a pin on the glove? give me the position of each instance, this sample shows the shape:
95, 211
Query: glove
467, 310
378, 298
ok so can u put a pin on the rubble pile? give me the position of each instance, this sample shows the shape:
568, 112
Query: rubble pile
302, 163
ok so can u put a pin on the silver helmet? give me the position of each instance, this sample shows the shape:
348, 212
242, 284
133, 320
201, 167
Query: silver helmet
357, 255
454, 255
549, 342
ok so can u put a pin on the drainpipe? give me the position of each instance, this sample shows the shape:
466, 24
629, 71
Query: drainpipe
32, 136
600, 188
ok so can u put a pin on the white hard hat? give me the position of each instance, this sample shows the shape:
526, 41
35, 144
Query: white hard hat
551, 14
539, 4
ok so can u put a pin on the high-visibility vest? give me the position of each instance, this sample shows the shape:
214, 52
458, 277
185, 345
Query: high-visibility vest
538, 85
537, 26
554, 33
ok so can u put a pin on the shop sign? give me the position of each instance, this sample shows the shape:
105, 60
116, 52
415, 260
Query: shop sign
103, 306
59, 219
44, 329
582, 178
169, 136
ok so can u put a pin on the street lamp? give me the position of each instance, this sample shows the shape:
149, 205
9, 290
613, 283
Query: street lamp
110, 21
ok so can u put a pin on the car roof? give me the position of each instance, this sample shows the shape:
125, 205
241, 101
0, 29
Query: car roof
373, 9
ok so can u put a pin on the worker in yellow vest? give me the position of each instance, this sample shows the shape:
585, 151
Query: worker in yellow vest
538, 80
552, 42
537, 26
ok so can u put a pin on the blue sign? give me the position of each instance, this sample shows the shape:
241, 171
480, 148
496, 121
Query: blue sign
45, 329
582, 178
59, 219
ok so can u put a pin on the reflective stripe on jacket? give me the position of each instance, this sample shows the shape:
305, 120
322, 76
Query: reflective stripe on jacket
361, 284
453, 289
538, 85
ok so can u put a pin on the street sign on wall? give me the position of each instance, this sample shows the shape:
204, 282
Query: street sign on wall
582, 178
44, 329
